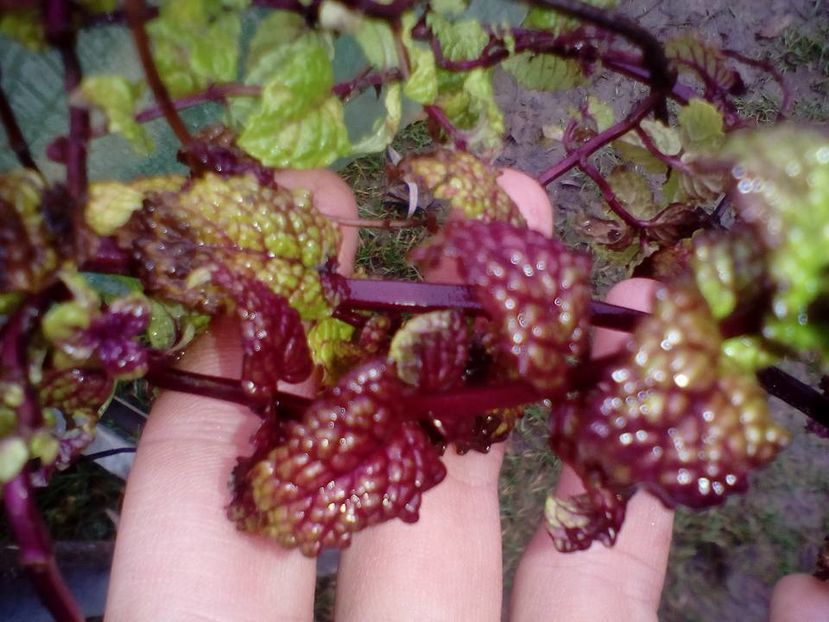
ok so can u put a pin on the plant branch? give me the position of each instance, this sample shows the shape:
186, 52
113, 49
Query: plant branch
795, 393
662, 75
621, 128
609, 195
671, 161
17, 142
136, 11
470, 401
438, 117
36, 555
364, 80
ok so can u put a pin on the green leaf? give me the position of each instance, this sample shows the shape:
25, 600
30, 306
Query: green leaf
13, 455
377, 42
274, 33
449, 7
422, 85
117, 98
547, 19
665, 138
385, 128
543, 72
696, 55
112, 286
782, 179
633, 191
196, 43
701, 126
99, 6
110, 206
25, 27
461, 40
297, 122
330, 342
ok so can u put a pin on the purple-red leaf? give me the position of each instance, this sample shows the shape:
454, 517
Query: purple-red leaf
535, 289
354, 460
273, 339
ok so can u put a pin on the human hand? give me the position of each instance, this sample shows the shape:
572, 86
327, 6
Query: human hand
179, 558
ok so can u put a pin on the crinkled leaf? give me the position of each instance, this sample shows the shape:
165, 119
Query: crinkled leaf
27, 256
691, 53
633, 191
467, 183
422, 84
117, 97
459, 40
673, 415
431, 349
313, 490
449, 7
273, 338
257, 229
110, 206
729, 269
535, 289
575, 523
782, 179
385, 128
666, 139
195, 43
330, 342
701, 126
544, 72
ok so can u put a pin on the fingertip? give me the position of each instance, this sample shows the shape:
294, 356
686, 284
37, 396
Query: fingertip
799, 597
632, 293
531, 198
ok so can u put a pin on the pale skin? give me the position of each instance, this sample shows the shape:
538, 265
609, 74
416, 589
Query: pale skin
177, 556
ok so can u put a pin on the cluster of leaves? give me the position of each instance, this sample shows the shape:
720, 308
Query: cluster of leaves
109, 281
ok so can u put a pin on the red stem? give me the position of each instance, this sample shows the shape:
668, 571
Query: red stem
136, 12
671, 161
609, 195
14, 134
365, 80
470, 401
621, 128
662, 74
36, 550
438, 116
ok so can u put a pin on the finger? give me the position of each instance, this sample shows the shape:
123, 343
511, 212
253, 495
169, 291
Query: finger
800, 597
177, 555
448, 565
619, 583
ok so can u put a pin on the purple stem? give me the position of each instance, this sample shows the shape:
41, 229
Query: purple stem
610, 196
671, 161
795, 393
409, 297
662, 74
471, 401
18, 497
621, 128
58, 26
364, 80
14, 134
36, 550
136, 12
438, 116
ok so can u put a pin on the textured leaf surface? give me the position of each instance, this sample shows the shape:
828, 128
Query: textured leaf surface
534, 288
263, 231
354, 460
782, 189
674, 416
195, 43
27, 256
430, 350
468, 184
691, 53
543, 72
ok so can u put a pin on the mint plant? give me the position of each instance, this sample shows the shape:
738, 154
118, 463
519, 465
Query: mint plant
105, 281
